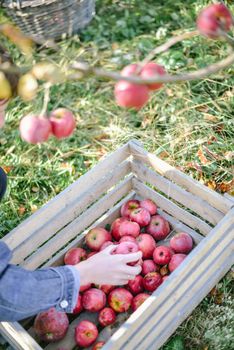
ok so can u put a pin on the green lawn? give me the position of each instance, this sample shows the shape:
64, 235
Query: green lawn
179, 123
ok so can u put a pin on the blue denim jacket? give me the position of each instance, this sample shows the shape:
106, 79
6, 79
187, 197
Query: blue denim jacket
24, 293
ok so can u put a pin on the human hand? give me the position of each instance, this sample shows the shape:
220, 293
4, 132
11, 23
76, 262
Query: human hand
105, 268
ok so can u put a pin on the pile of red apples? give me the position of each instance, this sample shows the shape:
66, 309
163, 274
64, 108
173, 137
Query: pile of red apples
140, 227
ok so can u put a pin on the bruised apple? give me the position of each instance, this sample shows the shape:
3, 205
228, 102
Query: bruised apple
120, 299
51, 325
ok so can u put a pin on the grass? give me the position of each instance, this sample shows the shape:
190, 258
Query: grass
179, 123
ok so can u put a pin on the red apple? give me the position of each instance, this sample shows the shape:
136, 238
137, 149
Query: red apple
127, 248
93, 299
146, 244
123, 227
96, 237
162, 255
150, 70
74, 255
176, 260
127, 239
106, 288
85, 333
51, 325
107, 244
141, 216
85, 287
136, 285
214, 18
106, 317
128, 207
120, 299
79, 307
158, 227
138, 300
34, 129
181, 243
63, 122
149, 205
149, 266
131, 69
152, 281
131, 95
98, 345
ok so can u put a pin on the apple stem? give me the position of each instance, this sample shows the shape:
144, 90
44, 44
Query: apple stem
46, 100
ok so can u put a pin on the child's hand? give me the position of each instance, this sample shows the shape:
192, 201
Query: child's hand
105, 268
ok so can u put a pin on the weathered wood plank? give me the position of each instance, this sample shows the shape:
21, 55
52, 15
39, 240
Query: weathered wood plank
189, 200
171, 208
15, 334
107, 218
183, 290
59, 203
193, 186
74, 209
79, 224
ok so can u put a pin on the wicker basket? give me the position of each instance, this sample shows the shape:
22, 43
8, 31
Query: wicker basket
50, 19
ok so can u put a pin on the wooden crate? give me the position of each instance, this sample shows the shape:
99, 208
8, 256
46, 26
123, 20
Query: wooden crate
95, 199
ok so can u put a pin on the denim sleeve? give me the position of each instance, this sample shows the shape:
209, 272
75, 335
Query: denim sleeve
25, 293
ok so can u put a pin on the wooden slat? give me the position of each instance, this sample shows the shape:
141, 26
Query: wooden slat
151, 325
171, 208
79, 224
107, 218
173, 174
59, 203
73, 209
189, 200
15, 334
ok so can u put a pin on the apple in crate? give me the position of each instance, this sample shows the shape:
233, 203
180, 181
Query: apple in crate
152, 281
158, 227
162, 255
106, 288
138, 300
127, 239
149, 205
75, 255
98, 345
96, 237
176, 260
136, 285
120, 299
164, 270
149, 266
181, 243
128, 207
127, 248
141, 216
86, 333
51, 325
85, 287
146, 244
123, 227
106, 316
107, 244
79, 307
93, 300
